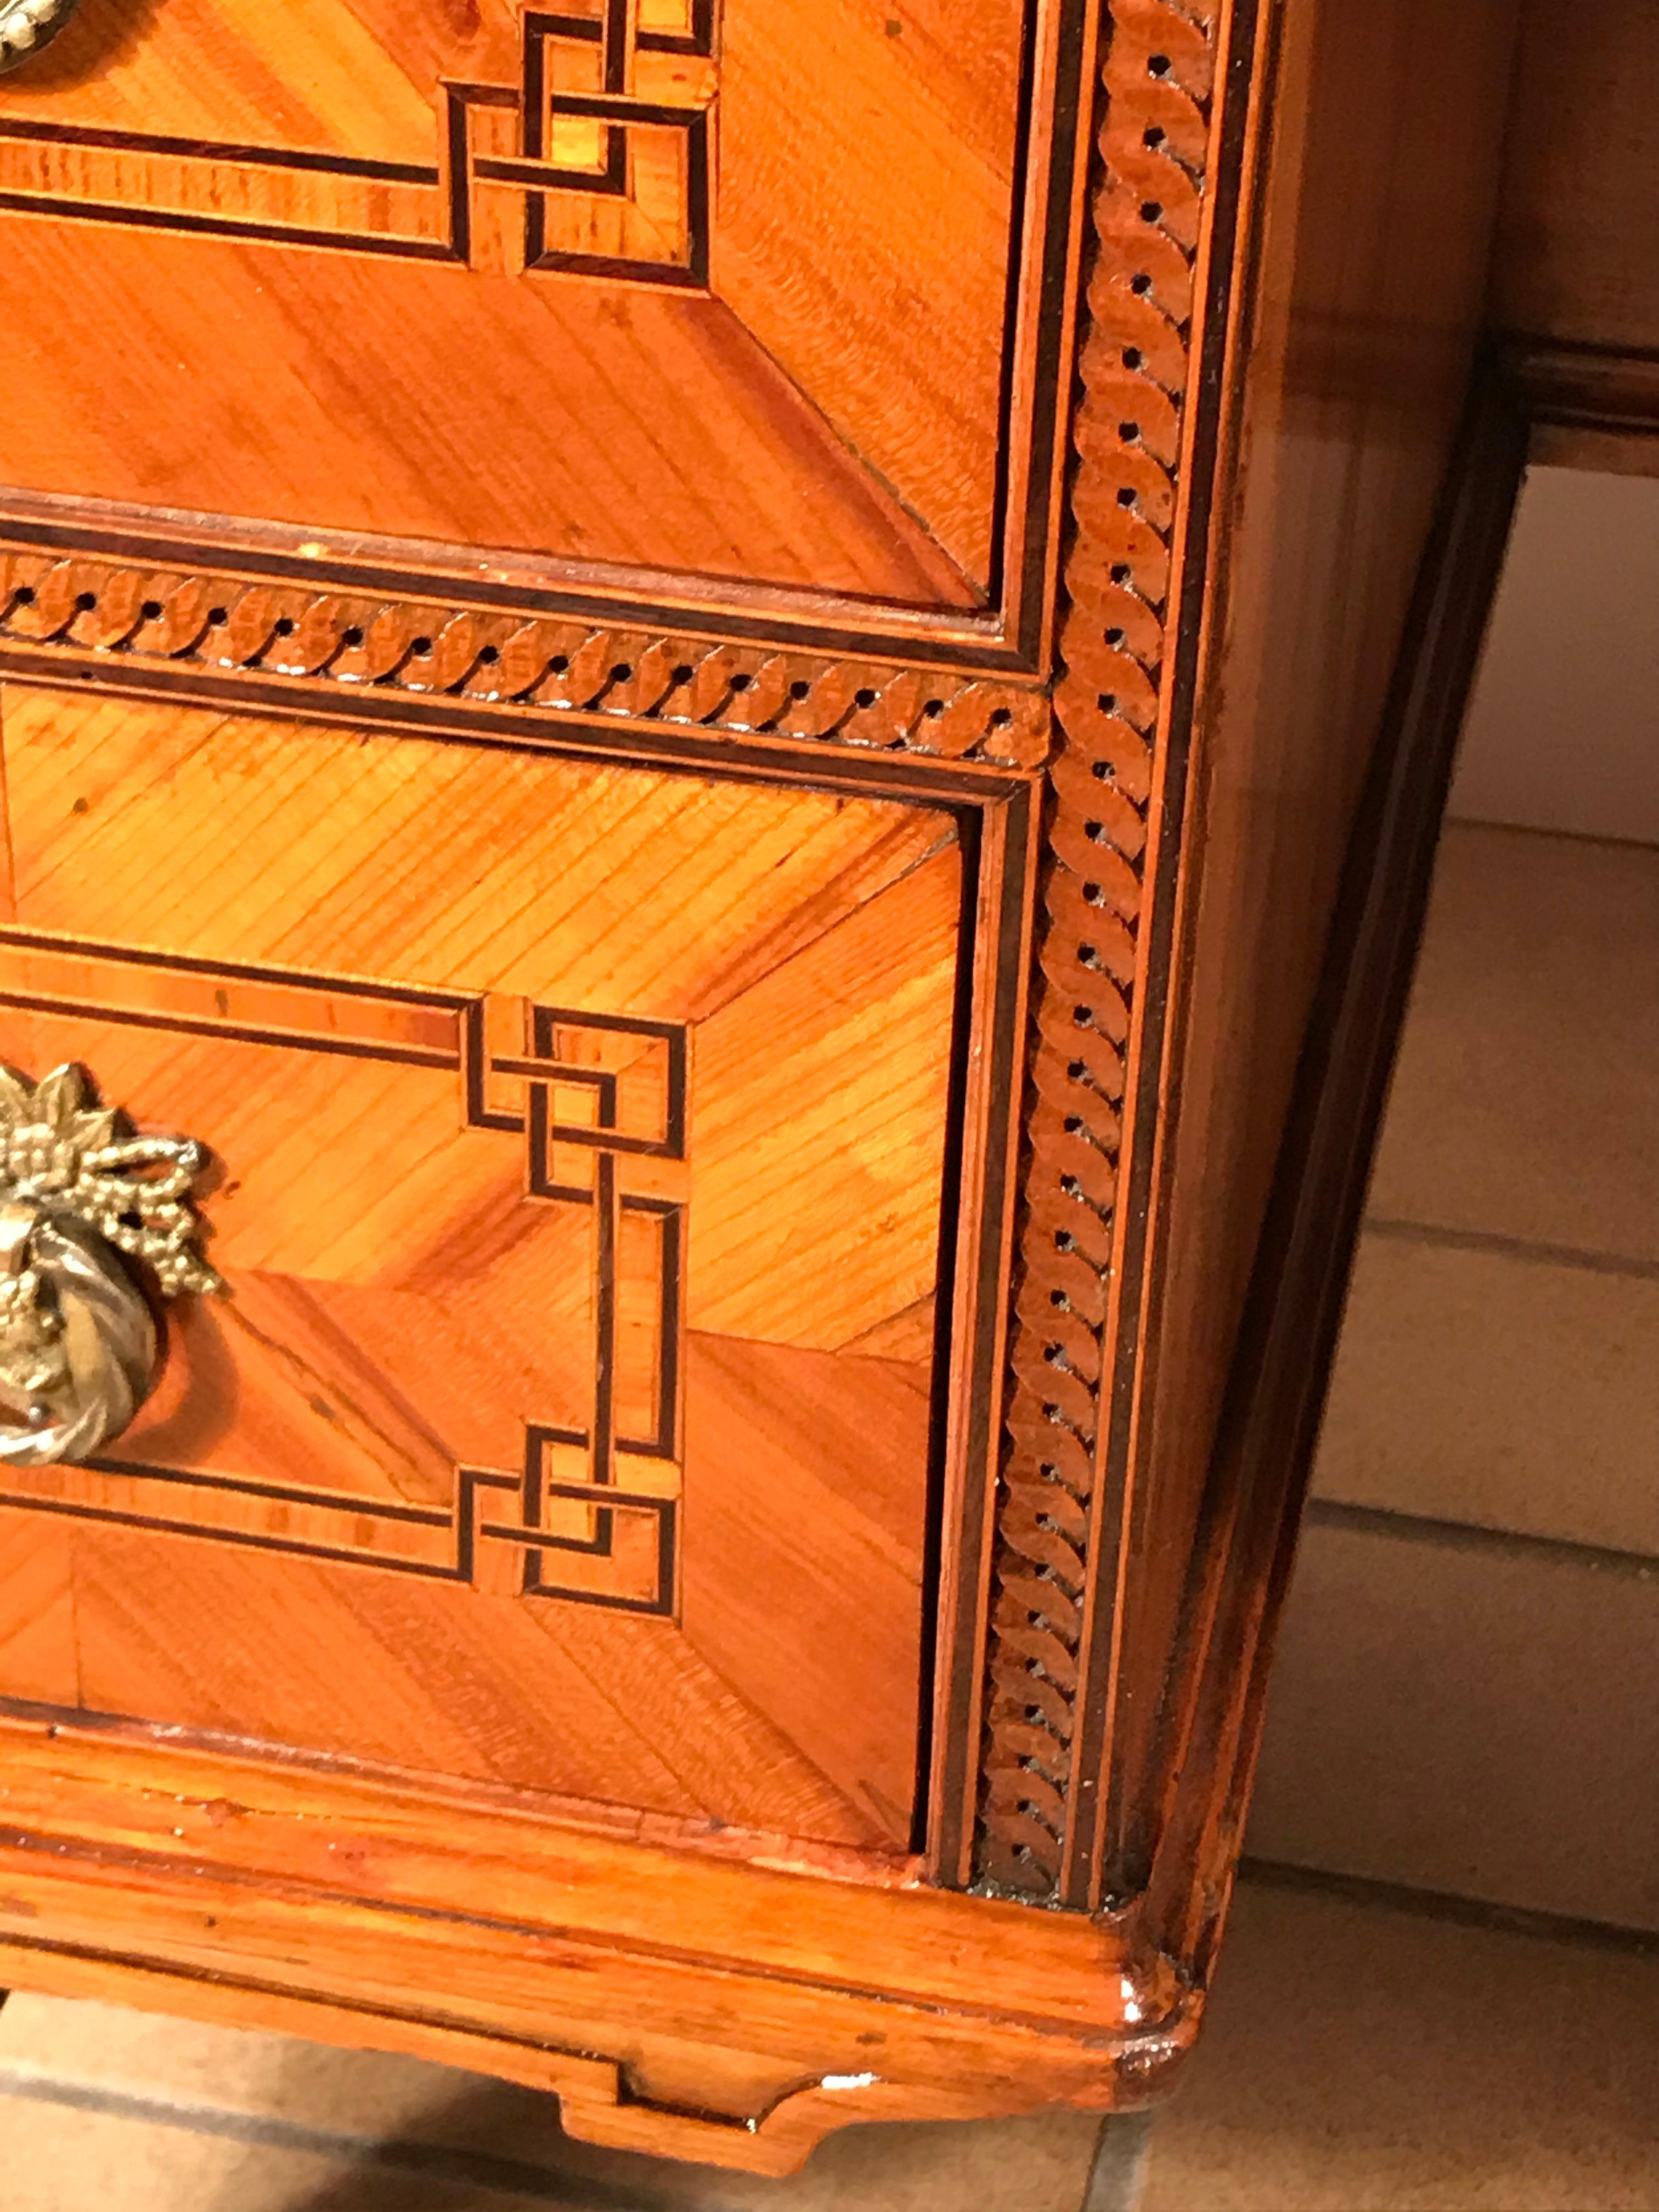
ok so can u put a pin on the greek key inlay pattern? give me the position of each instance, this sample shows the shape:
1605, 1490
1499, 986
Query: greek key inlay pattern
598, 162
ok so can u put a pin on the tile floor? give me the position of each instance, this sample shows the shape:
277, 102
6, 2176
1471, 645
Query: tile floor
1359, 2057
106, 2111
1362, 2059
1463, 1698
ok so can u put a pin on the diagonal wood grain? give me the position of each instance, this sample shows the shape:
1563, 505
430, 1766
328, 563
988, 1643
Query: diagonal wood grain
38, 1655
287, 842
797, 1189
829, 416
279, 1547
378, 1669
803, 1525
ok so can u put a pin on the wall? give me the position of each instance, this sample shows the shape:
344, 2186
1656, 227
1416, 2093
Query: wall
1563, 731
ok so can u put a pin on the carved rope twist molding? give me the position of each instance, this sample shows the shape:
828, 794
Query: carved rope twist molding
548, 664
1155, 81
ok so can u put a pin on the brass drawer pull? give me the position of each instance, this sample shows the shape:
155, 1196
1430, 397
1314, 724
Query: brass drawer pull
26, 26
78, 1347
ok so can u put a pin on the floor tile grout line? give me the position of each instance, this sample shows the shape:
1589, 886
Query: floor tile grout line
1557, 836
1480, 1913
476, 2169
1510, 1248
1470, 1535
1118, 2173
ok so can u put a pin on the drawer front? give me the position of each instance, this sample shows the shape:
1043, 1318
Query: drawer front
579, 1136
664, 397
611, 284
575, 496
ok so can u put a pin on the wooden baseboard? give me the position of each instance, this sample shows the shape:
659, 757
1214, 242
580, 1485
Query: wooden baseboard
1591, 407
1599, 387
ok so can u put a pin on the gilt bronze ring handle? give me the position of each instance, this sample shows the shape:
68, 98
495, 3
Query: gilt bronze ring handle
90, 1219
26, 26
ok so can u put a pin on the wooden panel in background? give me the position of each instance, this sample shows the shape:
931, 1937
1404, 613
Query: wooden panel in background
1578, 256
403, 990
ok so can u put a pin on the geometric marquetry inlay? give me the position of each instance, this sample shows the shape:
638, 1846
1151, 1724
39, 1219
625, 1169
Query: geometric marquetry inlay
580, 1146
601, 151
586, 1096
414, 245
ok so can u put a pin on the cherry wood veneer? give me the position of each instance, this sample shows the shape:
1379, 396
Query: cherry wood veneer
734, 1324
694, 679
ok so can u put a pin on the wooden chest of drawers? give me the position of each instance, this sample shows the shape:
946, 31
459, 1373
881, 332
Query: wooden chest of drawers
682, 684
